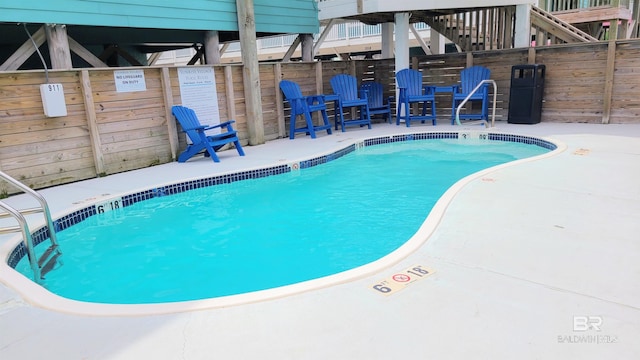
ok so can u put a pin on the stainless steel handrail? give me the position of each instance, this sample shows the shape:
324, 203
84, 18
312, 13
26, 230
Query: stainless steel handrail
26, 236
495, 92
23, 222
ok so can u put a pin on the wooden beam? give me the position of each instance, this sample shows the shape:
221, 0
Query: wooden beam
154, 58
323, 36
423, 44
608, 83
167, 94
292, 49
85, 54
106, 53
59, 51
24, 52
92, 123
125, 55
224, 48
196, 57
251, 71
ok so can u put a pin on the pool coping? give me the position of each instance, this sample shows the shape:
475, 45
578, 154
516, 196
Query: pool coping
40, 297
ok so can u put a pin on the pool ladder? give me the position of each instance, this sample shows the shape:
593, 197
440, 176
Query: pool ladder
50, 259
493, 113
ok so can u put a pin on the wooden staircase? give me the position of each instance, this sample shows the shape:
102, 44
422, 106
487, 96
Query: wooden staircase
493, 28
547, 26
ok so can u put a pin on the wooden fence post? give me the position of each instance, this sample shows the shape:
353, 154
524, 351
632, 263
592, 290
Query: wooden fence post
92, 123
319, 84
277, 75
168, 104
608, 82
531, 56
228, 86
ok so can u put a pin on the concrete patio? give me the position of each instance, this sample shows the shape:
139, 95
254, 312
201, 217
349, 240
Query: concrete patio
539, 260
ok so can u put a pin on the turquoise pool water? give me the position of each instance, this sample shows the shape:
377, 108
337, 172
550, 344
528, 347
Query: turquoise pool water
264, 233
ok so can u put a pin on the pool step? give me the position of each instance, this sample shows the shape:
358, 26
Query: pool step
53, 256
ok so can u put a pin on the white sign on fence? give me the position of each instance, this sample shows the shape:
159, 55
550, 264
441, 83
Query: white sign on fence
198, 92
129, 80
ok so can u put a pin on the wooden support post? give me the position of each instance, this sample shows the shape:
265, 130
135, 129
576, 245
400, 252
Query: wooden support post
277, 76
469, 59
24, 52
92, 123
251, 71
212, 47
307, 47
59, 50
168, 104
608, 83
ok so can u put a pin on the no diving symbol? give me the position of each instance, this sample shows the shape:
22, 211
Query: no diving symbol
401, 277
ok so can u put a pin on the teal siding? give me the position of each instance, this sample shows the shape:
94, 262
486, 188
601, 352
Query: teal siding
287, 16
280, 16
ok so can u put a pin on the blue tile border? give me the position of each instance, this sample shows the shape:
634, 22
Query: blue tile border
68, 220
523, 139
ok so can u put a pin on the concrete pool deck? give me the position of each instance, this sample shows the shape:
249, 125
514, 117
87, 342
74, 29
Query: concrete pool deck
540, 260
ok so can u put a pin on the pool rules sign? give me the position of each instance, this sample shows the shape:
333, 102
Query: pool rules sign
198, 92
401, 279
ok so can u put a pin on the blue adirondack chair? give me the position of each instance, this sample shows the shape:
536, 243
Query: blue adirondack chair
346, 88
469, 79
201, 141
377, 104
304, 105
412, 91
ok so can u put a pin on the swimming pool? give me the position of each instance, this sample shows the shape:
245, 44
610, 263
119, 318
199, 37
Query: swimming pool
405, 187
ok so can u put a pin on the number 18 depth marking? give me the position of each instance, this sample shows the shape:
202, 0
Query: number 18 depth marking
400, 280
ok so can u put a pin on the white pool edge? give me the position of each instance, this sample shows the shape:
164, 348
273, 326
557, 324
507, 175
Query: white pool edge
38, 296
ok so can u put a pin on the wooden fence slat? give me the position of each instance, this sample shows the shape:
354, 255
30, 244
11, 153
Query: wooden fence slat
90, 109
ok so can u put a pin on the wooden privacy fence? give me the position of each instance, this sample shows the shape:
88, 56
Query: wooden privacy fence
106, 131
